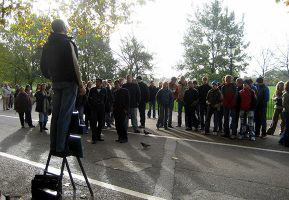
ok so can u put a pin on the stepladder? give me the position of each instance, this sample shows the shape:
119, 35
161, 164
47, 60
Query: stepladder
63, 165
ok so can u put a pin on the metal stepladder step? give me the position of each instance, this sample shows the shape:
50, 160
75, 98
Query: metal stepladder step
65, 162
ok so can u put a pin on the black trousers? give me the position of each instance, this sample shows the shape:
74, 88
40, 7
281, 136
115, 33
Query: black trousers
27, 118
142, 113
87, 120
203, 113
152, 106
96, 122
211, 111
260, 121
191, 118
121, 122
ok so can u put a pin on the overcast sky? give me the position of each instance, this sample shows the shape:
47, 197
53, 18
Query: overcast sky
161, 25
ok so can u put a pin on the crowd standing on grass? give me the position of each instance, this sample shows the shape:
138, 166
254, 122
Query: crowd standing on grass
102, 104
106, 104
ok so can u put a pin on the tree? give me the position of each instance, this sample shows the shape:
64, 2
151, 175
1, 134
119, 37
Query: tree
12, 7
212, 32
135, 58
24, 40
286, 2
274, 76
282, 59
265, 62
91, 24
103, 15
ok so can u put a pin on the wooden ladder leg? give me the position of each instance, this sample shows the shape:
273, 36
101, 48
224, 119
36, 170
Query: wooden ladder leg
85, 177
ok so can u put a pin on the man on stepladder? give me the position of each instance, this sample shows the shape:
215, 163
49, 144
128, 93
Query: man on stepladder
59, 64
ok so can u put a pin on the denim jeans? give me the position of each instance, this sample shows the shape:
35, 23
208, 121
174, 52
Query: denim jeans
163, 117
133, 115
170, 114
80, 111
63, 104
152, 106
247, 121
43, 117
230, 112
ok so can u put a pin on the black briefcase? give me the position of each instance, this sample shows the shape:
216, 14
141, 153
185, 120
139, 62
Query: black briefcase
46, 187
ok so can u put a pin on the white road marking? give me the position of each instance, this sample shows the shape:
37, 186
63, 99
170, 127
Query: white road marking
8, 116
220, 144
80, 177
197, 141
165, 182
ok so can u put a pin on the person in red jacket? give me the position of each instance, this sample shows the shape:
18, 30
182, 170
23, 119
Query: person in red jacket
247, 103
229, 92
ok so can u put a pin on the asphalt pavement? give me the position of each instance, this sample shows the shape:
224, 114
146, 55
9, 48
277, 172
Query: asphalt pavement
179, 164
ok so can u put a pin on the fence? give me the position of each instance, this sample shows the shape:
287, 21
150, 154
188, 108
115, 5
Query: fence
270, 108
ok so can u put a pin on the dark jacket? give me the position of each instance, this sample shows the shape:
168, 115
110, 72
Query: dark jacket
97, 99
56, 60
144, 92
229, 92
86, 105
134, 94
203, 92
191, 97
165, 97
42, 102
121, 100
109, 101
23, 103
262, 96
214, 97
153, 92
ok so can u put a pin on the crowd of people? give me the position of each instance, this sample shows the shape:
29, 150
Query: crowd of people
106, 103
102, 103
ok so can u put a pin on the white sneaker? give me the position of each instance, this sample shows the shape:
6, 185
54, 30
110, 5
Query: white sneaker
253, 139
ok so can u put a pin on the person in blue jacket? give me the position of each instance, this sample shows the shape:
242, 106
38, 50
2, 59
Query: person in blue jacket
262, 94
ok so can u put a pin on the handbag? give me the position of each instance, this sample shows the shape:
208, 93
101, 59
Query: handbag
46, 187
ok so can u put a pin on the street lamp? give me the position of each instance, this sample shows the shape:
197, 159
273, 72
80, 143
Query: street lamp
231, 51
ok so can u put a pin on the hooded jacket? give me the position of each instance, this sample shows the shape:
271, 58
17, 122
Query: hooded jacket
229, 92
